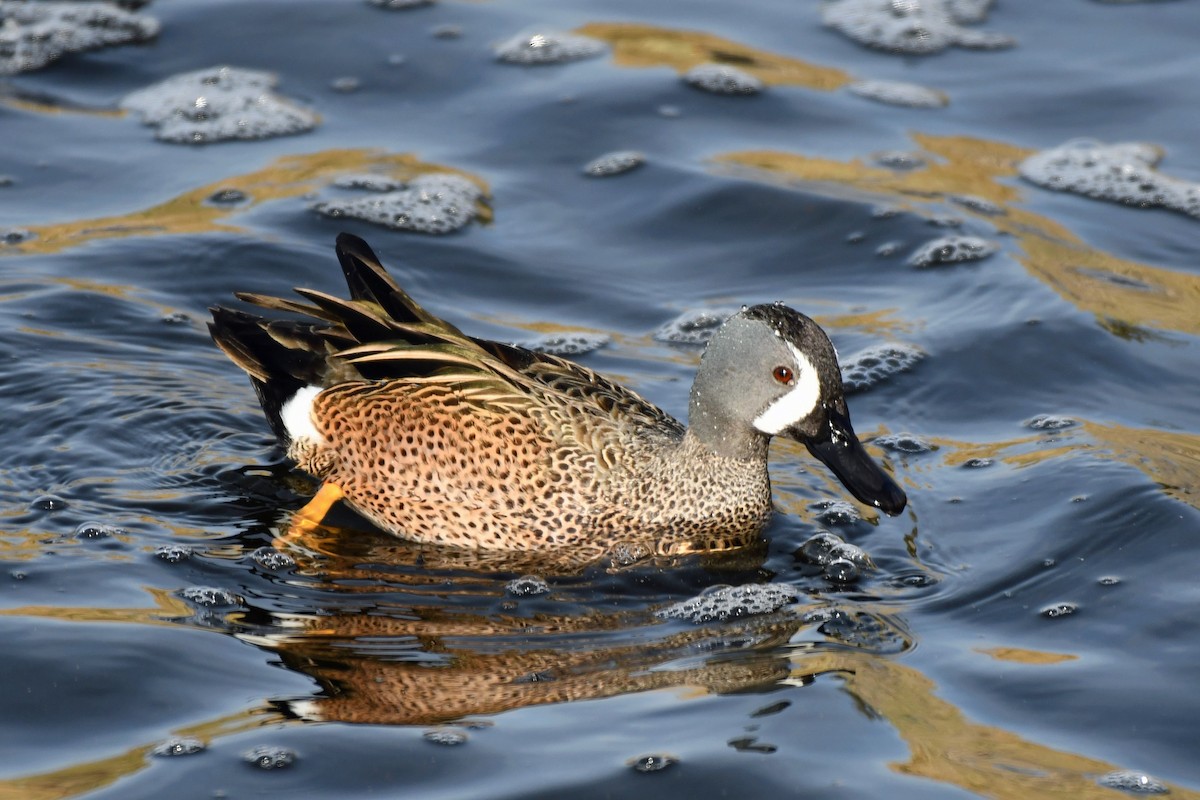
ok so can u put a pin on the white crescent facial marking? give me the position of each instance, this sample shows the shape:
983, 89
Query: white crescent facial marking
798, 403
297, 415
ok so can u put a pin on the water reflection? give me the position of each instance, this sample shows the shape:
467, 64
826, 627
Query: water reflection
642, 46
1126, 296
195, 211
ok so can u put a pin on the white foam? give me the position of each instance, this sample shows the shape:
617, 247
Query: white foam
297, 415
797, 403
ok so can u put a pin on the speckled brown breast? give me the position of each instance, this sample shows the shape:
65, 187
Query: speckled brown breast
423, 462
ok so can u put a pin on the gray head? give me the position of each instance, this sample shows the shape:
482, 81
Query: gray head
771, 371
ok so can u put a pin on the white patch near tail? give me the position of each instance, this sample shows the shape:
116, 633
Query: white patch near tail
798, 403
297, 415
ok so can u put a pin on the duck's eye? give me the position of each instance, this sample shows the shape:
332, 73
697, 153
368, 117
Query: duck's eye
783, 374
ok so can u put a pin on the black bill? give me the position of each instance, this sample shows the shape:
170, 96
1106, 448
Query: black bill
839, 449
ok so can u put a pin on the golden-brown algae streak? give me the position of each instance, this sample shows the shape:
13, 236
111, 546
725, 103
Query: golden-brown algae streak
1126, 296
1171, 459
947, 747
642, 46
192, 213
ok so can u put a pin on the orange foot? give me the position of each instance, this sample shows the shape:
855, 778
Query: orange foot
306, 523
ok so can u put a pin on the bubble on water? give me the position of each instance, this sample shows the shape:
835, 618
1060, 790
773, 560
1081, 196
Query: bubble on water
911, 26
209, 596
548, 47
228, 197
445, 736
721, 603
952, 250
33, 35
722, 79
400, 5
346, 84
885, 212
888, 249
693, 327
841, 570
218, 104
97, 530
1122, 172
369, 182
818, 548
835, 512
173, 553
944, 221
176, 318
614, 163
15, 235
977, 204
855, 237
397, 60
527, 586
1109, 580
852, 553
565, 344
625, 553
670, 111
899, 93
1049, 422
977, 463
655, 762
267, 757
914, 580
1128, 780
878, 363
859, 629
435, 203
905, 443
447, 31
7, 180
1059, 610
900, 159
180, 746
270, 558
48, 502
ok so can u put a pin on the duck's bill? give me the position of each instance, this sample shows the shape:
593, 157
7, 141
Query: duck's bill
839, 449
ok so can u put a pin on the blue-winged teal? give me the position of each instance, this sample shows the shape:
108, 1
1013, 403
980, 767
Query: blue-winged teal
436, 436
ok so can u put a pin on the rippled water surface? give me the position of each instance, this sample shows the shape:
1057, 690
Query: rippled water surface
1027, 628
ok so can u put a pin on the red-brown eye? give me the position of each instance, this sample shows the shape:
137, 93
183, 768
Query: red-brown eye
782, 374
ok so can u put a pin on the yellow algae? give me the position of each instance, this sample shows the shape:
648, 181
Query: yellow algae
167, 606
641, 46
44, 107
1125, 296
945, 746
191, 213
1171, 459
1019, 655
90, 776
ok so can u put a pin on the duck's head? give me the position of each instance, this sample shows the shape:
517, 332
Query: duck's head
771, 371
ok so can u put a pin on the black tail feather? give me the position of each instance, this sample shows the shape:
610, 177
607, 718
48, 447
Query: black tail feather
276, 370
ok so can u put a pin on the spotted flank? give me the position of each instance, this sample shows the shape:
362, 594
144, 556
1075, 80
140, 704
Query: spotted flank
440, 437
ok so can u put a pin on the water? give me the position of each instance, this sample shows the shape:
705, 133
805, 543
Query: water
139, 608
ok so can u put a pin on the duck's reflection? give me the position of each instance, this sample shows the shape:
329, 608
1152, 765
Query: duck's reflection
420, 638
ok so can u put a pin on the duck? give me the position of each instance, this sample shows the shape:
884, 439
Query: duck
442, 438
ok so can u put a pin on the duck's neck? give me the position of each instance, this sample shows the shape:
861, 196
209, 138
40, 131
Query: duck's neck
723, 436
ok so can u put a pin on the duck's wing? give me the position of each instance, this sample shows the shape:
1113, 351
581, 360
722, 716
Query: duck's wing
380, 334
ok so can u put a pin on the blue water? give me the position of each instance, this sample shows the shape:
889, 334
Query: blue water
1029, 625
